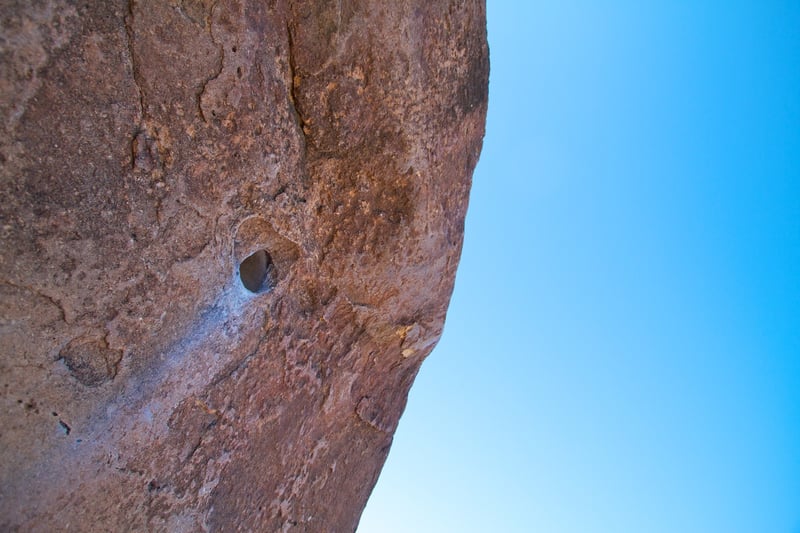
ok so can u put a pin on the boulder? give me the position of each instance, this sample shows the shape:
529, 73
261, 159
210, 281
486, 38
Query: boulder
229, 232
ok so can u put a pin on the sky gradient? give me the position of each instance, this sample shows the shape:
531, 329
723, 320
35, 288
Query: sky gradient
622, 351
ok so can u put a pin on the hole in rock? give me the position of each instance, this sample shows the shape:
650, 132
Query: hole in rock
258, 272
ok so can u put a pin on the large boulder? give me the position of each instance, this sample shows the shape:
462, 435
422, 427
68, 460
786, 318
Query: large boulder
229, 232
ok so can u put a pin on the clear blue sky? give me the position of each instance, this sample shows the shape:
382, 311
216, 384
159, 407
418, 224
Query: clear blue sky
622, 352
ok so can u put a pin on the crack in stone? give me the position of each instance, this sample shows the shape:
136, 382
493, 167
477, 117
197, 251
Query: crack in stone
292, 96
294, 82
210, 25
199, 443
58, 305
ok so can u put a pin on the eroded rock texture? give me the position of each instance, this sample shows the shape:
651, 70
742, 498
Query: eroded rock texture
147, 149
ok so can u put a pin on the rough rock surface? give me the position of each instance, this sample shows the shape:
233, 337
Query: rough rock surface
147, 149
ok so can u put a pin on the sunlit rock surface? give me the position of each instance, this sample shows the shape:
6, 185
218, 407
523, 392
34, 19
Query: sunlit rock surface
229, 233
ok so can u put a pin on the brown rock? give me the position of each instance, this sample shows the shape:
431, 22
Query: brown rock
229, 236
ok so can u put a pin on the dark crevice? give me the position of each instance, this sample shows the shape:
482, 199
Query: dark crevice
281, 190
257, 272
293, 85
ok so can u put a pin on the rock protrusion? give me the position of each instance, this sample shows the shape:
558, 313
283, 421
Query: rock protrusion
229, 233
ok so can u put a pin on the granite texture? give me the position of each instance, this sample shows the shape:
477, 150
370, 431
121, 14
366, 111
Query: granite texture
147, 150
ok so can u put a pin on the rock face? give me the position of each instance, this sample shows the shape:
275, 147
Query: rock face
229, 234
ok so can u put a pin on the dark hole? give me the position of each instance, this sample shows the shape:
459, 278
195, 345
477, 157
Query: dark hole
258, 272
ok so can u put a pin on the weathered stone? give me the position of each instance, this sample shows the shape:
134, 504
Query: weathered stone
147, 151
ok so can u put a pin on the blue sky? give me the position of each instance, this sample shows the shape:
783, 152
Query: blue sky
622, 351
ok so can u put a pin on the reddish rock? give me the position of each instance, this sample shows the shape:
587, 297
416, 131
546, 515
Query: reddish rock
148, 152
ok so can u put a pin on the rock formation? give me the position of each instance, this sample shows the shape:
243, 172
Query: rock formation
229, 231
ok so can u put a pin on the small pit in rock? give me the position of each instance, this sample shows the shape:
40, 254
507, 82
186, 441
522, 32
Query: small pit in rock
258, 272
